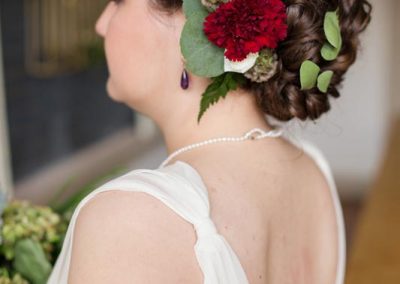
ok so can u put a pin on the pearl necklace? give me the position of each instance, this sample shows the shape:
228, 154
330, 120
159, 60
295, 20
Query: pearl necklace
255, 133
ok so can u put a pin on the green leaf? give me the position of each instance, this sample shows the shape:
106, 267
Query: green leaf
332, 29
220, 86
31, 262
239, 78
192, 6
203, 58
324, 79
329, 52
308, 74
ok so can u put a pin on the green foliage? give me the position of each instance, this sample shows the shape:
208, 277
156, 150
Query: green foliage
7, 277
332, 29
31, 237
220, 86
324, 79
308, 74
23, 220
31, 262
330, 50
309, 77
192, 6
203, 58
332, 47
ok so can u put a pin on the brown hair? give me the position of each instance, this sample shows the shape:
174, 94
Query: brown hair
281, 96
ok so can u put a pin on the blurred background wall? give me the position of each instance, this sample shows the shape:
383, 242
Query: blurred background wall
396, 65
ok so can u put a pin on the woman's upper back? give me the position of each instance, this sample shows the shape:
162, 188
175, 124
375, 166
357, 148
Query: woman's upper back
275, 220
279, 211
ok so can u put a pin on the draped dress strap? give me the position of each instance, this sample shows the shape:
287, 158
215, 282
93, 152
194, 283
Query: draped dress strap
185, 196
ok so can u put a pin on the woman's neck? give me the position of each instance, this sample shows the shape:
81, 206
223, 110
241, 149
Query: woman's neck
233, 115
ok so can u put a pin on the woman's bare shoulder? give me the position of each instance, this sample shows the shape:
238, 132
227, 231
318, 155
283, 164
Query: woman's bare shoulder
121, 235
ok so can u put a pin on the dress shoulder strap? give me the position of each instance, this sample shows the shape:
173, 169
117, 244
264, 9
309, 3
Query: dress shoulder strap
179, 189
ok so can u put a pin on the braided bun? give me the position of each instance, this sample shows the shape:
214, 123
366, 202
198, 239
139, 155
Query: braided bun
281, 96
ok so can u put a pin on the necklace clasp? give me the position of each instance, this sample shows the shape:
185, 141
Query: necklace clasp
254, 133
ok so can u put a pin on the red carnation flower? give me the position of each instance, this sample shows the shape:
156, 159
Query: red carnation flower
244, 26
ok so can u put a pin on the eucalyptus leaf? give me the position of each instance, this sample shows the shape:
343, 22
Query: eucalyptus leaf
332, 29
31, 262
192, 6
308, 74
203, 58
329, 52
324, 79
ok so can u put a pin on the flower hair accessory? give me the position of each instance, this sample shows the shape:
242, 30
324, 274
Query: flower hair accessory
230, 41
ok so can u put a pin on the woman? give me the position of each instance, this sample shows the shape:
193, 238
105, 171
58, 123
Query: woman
253, 211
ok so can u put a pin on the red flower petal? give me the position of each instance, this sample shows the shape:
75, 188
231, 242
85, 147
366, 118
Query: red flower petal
244, 26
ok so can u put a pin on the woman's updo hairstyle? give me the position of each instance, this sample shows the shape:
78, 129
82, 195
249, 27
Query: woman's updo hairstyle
281, 96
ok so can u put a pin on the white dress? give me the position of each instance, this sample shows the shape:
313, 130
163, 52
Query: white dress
182, 189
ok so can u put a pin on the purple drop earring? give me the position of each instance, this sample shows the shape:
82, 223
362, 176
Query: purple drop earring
184, 79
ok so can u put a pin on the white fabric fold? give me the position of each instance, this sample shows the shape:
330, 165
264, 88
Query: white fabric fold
185, 196
218, 261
